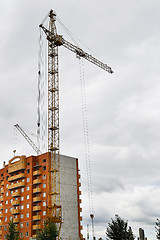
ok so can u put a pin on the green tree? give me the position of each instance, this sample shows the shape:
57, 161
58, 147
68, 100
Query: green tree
157, 227
12, 233
118, 230
49, 232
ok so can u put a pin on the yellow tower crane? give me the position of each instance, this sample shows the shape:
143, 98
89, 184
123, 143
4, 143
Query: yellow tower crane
54, 41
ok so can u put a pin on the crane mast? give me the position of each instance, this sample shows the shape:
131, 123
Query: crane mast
53, 206
54, 41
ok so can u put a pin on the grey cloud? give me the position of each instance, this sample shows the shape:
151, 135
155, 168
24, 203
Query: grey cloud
123, 108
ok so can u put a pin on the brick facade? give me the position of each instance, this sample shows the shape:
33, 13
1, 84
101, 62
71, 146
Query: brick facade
24, 194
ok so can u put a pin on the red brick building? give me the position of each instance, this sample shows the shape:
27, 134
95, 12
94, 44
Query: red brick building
24, 194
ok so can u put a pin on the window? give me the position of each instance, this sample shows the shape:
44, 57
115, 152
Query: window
22, 207
6, 210
5, 228
16, 190
22, 180
44, 176
11, 209
5, 219
10, 218
28, 164
7, 185
44, 168
21, 225
27, 206
22, 198
6, 194
44, 213
6, 201
28, 170
44, 160
22, 189
28, 179
21, 234
27, 234
11, 200
7, 177
44, 185
27, 196
27, 188
44, 194
21, 215
27, 215
7, 171
27, 224
44, 203
1, 175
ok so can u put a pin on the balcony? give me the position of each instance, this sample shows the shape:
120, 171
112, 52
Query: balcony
16, 203
16, 194
37, 190
16, 177
16, 185
35, 227
0, 232
37, 173
1, 199
37, 199
16, 220
37, 181
0, 223
15, 211
1, 215
1, 207
37, 208
36, 218
2, 190
18, 165
2, 183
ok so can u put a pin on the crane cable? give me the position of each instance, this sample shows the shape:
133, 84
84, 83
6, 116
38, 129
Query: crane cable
74, 38
86, 140
14, 140
41, 131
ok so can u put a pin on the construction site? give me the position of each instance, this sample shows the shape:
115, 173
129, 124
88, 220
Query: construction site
47, 185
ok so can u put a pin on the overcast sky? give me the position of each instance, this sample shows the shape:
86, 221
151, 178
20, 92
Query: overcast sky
123, 108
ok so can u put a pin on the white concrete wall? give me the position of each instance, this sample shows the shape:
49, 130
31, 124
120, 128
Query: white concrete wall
68, 175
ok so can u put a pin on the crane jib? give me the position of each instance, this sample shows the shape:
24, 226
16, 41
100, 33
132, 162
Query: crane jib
59, 40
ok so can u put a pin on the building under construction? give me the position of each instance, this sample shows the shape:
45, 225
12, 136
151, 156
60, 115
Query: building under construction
24, 190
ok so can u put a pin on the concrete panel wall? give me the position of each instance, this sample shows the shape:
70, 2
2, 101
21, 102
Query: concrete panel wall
70, 226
